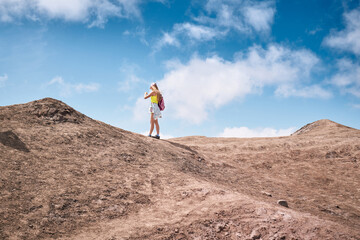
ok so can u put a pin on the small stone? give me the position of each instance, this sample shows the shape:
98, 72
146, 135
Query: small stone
283, 203
255, 234
176, 230
266, 193
220, 227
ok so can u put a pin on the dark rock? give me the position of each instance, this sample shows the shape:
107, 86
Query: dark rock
255, 234
219, 227
283, 203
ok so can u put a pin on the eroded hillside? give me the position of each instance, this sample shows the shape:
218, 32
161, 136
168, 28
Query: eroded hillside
64, 175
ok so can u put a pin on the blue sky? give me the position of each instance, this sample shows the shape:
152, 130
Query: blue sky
225, 67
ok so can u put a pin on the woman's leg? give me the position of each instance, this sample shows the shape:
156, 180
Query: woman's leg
151, 123
157, 127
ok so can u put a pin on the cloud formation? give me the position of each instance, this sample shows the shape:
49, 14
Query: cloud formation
347, 79
193, 89
218, 17
129, 78
347, 39
356, 106
66, 89
3, 79
312, 91
197, 32
244, 132
260, 16
188, 32
141, 110
243, 16
93, 12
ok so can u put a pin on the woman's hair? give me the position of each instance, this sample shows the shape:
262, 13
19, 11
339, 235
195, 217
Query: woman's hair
157, 91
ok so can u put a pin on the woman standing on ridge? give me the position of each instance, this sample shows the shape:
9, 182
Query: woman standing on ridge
155, 113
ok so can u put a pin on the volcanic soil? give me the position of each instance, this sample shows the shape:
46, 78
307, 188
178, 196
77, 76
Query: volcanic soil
67, 176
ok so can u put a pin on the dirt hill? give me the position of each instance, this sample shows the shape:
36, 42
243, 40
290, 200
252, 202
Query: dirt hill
67, 176
322, 127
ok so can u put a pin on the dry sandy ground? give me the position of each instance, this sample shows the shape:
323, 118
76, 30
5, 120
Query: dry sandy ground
66, 176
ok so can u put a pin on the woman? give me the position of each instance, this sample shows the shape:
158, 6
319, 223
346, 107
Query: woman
155, 113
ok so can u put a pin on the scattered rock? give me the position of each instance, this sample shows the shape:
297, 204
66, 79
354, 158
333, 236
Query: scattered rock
283, 203
332, 154
219, 227
255, 234
266, 193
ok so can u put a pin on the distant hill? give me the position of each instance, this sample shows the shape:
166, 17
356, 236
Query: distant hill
322, 127
65, 175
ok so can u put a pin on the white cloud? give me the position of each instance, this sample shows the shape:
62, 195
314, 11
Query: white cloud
91, 87
140, 33
197, 32
191, 90
71, 10
243, 16
194, 33
356, 106
66, 89
218, 18
11, 8
129, 77
93, 12
167, 39
128, 83
260, 16
314, 31
141, 110
347, 79
130, 8
170, 40
347, 39
312, 91
244, 132
3, 79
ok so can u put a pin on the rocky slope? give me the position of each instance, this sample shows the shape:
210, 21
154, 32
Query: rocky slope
66, 176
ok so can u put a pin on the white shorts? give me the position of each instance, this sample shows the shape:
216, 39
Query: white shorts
154, 108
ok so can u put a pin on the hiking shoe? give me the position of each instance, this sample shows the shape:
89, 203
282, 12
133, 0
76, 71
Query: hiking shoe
157, 137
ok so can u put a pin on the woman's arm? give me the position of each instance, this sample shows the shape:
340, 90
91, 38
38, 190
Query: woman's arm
146, 95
